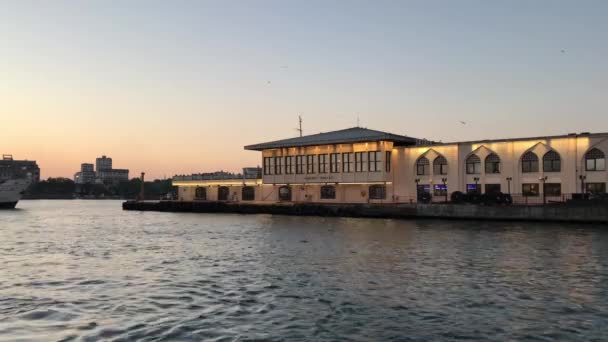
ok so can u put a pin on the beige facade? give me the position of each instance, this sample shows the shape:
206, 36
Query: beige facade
396, 169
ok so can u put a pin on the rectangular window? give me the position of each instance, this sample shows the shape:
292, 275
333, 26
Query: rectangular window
528, 166
334, 162
492, 189
328, 192
289, 165
387, 162
299, 165
552, 189
595, 164
348, 162
310, 163
474, 168
377, 192
552, 165
596, 188
322, 163
360, 162
268, 165
278, 165
530, 189
474, 189
440, 190
373, 161
422, 169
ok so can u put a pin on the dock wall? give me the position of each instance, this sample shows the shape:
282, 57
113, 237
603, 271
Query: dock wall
557, 213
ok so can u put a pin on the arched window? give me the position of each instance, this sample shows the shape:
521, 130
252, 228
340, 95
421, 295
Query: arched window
285, 193
223, 192
529, 162
422, 166
552, 162
378, 191
440, 166
595, 160
248, 193
200, 193
492, 163
328, 192
473, 165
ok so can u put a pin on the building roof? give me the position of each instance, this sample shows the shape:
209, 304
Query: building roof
349, 135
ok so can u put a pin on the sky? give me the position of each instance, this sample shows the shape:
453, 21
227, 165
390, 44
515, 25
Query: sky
179, 87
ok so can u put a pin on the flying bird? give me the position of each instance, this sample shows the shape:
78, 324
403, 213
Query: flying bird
462, 122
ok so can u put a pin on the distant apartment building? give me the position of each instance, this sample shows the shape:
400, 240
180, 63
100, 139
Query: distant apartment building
10, 168
103, 163
101, 173
112, 176
86, 175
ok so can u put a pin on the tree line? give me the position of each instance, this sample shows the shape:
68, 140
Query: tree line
66, 188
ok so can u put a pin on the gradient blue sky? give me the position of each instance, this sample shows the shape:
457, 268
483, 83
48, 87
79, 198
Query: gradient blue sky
180, 86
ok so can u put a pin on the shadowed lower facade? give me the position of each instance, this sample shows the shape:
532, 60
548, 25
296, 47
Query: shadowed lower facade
359, 165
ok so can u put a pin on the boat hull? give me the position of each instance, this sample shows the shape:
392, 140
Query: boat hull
8, 205
11, 192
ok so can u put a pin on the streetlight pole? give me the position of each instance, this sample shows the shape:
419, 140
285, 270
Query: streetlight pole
476, 179
417, 180
445, 188
509, 179
542, 181
582, 178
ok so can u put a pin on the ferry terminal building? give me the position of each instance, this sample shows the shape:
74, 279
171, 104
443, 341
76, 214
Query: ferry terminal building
360, 165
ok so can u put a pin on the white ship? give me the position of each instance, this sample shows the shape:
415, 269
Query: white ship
11, 191
15, 177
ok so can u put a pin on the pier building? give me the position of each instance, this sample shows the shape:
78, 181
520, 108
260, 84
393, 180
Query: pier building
360, 165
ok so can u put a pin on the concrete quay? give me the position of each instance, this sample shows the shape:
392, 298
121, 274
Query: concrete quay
547, 213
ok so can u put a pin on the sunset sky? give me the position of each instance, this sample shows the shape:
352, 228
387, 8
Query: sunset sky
171, 87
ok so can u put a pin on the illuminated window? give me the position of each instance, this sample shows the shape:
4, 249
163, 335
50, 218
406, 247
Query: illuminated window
373, 161
299, 165
248, 193
440, 166
422, 166
473, 165
278, 167
322, 163
268, 165
377, 192
289, 165
529, 163
310, 163
440, 190
552, 162
360, 161
474, 189
595, 160
334, 162
492, 163
328, 192
348, 162
530, 189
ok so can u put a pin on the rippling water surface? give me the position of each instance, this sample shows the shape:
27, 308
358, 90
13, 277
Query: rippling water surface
86, 270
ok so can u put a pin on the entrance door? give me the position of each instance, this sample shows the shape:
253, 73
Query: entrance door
285, 193
222, 193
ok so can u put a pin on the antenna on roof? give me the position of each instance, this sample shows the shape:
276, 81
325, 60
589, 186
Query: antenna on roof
358, 124
300, 126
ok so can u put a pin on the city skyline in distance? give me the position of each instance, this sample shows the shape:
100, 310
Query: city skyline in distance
169, 89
